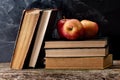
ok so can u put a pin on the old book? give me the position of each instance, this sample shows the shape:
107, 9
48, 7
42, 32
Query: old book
78, 62
24, 38
47, 21
79, 52
102, 42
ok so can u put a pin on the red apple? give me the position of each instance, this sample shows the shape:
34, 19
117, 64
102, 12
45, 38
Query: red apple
90, 28
60, 26
70, 29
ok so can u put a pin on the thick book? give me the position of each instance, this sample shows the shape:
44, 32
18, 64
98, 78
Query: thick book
26, 31
44, 29
79, 62
79, 52
102, 42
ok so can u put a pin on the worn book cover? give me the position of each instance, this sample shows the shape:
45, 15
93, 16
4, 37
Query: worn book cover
79, 62
24, 37
99, 42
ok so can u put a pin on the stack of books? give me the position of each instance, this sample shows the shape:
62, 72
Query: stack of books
85, 54
35, 30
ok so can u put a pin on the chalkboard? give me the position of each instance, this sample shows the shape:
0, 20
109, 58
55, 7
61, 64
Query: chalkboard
10, 14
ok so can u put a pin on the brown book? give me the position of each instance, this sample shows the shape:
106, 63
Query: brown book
81, 52
47, 21
78, 62
102, 42
24, 37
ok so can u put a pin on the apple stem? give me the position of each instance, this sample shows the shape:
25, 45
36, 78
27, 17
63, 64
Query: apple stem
63, 17
70, 28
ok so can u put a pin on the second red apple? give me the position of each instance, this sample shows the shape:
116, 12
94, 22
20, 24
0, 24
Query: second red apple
90, 27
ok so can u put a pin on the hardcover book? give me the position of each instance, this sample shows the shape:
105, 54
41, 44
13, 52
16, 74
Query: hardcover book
101, 42
99, 62
24, 37
45, 27
79, 52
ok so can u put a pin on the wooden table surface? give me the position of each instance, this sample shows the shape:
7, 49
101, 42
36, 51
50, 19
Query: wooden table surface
111, 73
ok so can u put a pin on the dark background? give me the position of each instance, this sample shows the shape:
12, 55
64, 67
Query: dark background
10, 14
